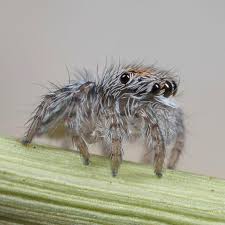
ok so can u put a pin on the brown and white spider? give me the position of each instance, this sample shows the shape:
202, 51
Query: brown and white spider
127, 101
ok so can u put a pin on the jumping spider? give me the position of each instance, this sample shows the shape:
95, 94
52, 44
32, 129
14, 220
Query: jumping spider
127, 101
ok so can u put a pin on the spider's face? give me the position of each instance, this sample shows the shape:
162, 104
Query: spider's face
145, 83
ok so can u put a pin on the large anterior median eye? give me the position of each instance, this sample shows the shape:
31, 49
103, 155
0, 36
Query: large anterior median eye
125, 77
168, 89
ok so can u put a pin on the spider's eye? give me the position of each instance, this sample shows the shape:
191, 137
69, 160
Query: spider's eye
174, 87
125, 77
168, 89
155, 89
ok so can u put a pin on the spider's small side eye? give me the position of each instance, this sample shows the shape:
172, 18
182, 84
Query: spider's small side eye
174, 87
155, 89
125, 77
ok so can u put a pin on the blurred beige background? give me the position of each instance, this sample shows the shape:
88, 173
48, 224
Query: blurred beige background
39, 38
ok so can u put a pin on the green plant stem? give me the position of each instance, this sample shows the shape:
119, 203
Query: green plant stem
45, 185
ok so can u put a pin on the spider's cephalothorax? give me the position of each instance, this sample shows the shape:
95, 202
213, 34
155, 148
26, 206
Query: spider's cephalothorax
127, 101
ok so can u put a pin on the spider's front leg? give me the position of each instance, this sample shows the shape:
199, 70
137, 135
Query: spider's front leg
179, 142
154, 139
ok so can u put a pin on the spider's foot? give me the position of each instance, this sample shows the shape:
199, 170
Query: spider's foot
158, 174
170, 167
86, 162
25, 141
115, 168
114, 172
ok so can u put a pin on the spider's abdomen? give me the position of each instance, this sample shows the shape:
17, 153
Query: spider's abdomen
69, 105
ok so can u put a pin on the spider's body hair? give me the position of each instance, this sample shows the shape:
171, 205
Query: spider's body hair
112, 110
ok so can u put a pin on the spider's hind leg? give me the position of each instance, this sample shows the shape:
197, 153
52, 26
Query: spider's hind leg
116, 156
36, 120
82, 147
77, 139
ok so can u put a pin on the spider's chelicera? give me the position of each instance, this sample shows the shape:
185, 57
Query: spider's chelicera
126, 102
